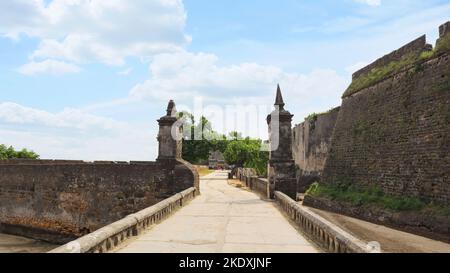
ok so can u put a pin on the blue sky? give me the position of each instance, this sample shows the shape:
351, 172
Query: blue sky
88, 79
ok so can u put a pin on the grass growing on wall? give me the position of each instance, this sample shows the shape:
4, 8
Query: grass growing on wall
409, 60
346, 192
312, 118
378, 73
443, 45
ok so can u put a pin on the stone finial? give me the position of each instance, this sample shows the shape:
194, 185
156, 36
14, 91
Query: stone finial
170, 142
171, 109
279, 100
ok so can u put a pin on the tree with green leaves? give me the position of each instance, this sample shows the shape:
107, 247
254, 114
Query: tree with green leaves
11, 153
235, 136
196, 143
200, 140
247, 153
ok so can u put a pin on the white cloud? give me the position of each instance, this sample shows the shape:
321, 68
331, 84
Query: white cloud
48, 67
125, 72
369, 2
68, 118
184, 76
79, 134
75, 134
95, 30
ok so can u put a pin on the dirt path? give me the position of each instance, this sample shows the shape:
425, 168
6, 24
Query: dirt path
15, 244
391, 240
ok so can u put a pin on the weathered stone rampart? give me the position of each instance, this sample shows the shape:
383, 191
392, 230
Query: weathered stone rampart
311, 145
60, 200
415, 48
391, 135
395, 134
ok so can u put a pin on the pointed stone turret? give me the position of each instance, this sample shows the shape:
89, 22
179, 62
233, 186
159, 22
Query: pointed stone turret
281, 172
279, 99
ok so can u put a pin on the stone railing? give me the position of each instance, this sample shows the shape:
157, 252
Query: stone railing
252, 181
109, 237
259, 185
324, 233
244, 174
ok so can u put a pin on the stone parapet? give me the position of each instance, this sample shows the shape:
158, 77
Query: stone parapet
111, 236
415, 47
257, 184
59, 200
324, 233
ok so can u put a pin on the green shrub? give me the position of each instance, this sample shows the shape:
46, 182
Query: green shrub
313, 189
11, 153
312, 117
374, 195
426, 55
443, 45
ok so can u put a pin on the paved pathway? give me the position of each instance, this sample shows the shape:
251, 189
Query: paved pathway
223, 219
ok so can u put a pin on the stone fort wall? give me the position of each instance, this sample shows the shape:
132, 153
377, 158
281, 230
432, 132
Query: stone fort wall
311, 144
391, 132
60, 200
395, 132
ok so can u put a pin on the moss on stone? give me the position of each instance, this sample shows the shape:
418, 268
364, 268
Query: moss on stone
426, 55
443, 44
312, 117
358, 196
379, 73
413, 59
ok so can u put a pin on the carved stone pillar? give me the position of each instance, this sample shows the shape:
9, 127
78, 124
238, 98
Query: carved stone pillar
281, 169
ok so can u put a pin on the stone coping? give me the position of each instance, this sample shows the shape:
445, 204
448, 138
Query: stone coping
110, 236
71, 162
324, 233
253, 182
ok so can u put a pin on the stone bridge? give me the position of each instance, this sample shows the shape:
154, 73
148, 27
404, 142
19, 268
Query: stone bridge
163, 206
235, 216
223, 219
261, 215
223, 212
